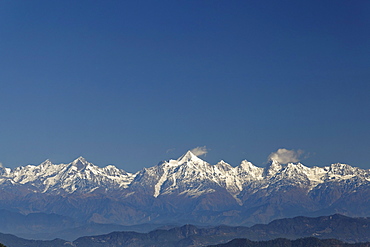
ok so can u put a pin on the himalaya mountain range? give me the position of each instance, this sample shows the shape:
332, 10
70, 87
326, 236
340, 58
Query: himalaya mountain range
184, 191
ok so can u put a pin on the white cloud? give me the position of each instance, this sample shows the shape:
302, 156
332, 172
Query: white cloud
170, 150
198, 151
285, 156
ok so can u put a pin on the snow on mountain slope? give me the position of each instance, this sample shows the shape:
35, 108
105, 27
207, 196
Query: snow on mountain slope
187, 189
78, 175
188, 175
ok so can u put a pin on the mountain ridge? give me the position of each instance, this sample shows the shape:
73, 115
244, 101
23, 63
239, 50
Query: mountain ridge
47, 174
187, 190
342, 228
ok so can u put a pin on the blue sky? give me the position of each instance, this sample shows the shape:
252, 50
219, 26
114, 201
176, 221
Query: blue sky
132, 83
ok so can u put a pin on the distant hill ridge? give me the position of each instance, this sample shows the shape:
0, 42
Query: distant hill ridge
346, 229
282, 242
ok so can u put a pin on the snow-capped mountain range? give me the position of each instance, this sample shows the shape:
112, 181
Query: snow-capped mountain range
186, 190
77, 176
188, 175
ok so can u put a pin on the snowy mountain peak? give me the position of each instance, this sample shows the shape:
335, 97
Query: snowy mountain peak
223, 165
273, 167
80, 159
80, 163
187, 157
248, 166
46, 163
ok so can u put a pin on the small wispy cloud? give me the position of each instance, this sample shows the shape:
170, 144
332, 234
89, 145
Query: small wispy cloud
285, 156
198, 151
170, 150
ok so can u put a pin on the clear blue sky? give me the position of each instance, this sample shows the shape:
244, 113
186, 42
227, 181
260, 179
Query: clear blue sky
132, 83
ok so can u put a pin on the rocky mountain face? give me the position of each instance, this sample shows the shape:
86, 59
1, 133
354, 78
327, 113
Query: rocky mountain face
186, 190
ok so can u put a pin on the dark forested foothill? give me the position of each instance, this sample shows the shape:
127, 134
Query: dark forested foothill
282, 242
320, 232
